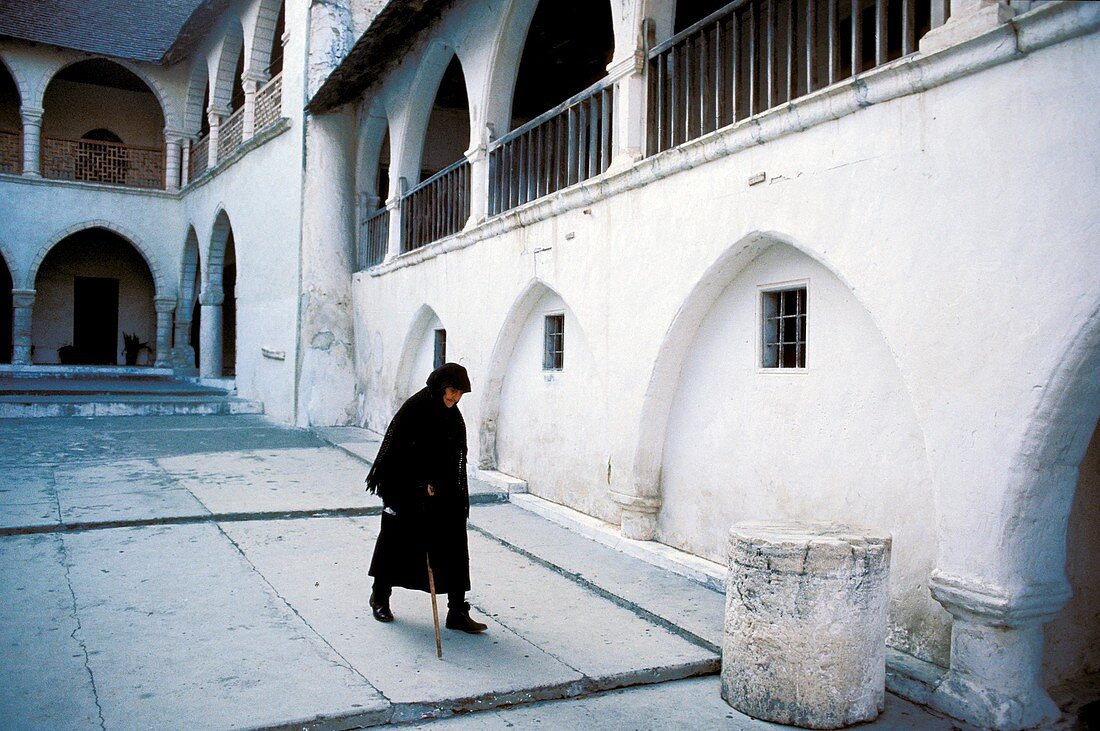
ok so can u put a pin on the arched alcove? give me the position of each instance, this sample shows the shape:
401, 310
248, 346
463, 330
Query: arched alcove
93, 287
6, 312
219, 330
532, 393
447, 134
837, 439
11, 124
418, 353
567, 48
124, 112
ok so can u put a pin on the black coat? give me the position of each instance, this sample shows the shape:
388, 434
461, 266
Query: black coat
425, 443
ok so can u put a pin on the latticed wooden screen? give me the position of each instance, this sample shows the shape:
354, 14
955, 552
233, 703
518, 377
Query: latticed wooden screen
102, 162
11, 152
269, 103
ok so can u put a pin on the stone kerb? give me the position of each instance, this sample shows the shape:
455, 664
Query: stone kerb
805, 625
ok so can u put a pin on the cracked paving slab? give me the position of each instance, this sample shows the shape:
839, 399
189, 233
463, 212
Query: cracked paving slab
121, 490
27, 498
547, 635
182, 633
273, 480
40, 645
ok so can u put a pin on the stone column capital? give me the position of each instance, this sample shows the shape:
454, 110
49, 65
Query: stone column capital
164, 304
627, 66
213, 296
23, 297
253, 78
172, 134
31, 115
982, 603
636, 502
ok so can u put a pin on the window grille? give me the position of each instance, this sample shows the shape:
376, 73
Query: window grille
553, 353
784, 326
440, 356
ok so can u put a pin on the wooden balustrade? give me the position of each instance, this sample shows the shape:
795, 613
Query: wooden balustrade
231, 134
561, 147
269, 102
374, 236
11, 152
437, 207
103, 162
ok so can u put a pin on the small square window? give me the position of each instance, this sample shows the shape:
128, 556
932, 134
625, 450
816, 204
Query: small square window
440, 356
784, 326
553, 352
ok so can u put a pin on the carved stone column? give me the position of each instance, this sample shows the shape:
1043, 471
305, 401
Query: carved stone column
215, 119
183, 355
23, 310
393, 244
628, 74
32, 140
479, 183
996, 652
969, 18
639, 516
173, 142
185, 162
165, 306
251, 84
210, 333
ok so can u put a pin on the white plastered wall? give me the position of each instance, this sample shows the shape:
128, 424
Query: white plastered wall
914, 203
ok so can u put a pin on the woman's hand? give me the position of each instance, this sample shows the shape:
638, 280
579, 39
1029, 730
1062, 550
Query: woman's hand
431, 491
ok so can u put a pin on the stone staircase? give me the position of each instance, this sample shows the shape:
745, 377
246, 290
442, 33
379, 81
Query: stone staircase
45, 391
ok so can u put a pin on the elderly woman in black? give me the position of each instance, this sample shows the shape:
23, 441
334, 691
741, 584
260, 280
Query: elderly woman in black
420, 474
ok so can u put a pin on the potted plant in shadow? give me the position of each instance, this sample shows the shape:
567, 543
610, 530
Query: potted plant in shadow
132, 347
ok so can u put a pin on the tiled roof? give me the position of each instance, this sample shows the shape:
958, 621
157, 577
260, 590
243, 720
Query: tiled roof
140, 30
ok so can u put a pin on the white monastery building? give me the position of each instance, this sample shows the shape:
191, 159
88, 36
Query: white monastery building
705, 262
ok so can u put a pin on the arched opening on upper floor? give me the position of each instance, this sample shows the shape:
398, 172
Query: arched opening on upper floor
568, 46
266, 61
448, 132
102, 124
11, 124
94, 302
372, 180
6, 312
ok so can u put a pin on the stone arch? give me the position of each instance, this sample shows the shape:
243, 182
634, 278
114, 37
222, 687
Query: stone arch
742, 443
1045, 474
261, 39
421, 94
7, 322
660, 390
506, 54
92, 286
232, 46
167, 110
189, 270
215, 250
197, 83
160, 280
424, 318
373, 130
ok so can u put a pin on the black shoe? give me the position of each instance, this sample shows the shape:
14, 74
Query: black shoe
381, 609
460, 619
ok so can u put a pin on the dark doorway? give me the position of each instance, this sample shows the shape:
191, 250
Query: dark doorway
6, 322
229, 309
95, 320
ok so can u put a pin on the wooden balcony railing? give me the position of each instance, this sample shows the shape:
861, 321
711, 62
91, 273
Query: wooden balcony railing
231, 134
269, 102
561, 147
200, 157
437, 207
103, 162
374, 236
11, 152
753, 55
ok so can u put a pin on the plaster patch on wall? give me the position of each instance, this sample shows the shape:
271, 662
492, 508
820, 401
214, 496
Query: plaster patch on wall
322, 340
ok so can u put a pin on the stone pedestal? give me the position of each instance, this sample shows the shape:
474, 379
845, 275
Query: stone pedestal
805, 634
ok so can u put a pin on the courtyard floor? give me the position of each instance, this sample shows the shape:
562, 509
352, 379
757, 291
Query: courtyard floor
211, 572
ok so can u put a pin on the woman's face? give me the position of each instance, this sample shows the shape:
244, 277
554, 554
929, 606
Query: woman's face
451, 396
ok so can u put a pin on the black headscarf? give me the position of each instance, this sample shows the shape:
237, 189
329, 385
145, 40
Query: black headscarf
424, 443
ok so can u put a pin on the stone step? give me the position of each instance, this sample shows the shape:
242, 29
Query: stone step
19, 406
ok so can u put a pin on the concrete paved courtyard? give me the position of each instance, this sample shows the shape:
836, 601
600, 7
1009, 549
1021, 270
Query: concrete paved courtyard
210, 572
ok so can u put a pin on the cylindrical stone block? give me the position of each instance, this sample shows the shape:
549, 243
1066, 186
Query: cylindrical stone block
805, 633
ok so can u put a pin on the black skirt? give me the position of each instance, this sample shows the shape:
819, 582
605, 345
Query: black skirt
406, 541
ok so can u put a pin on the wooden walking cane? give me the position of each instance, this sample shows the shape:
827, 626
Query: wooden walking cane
435, 609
